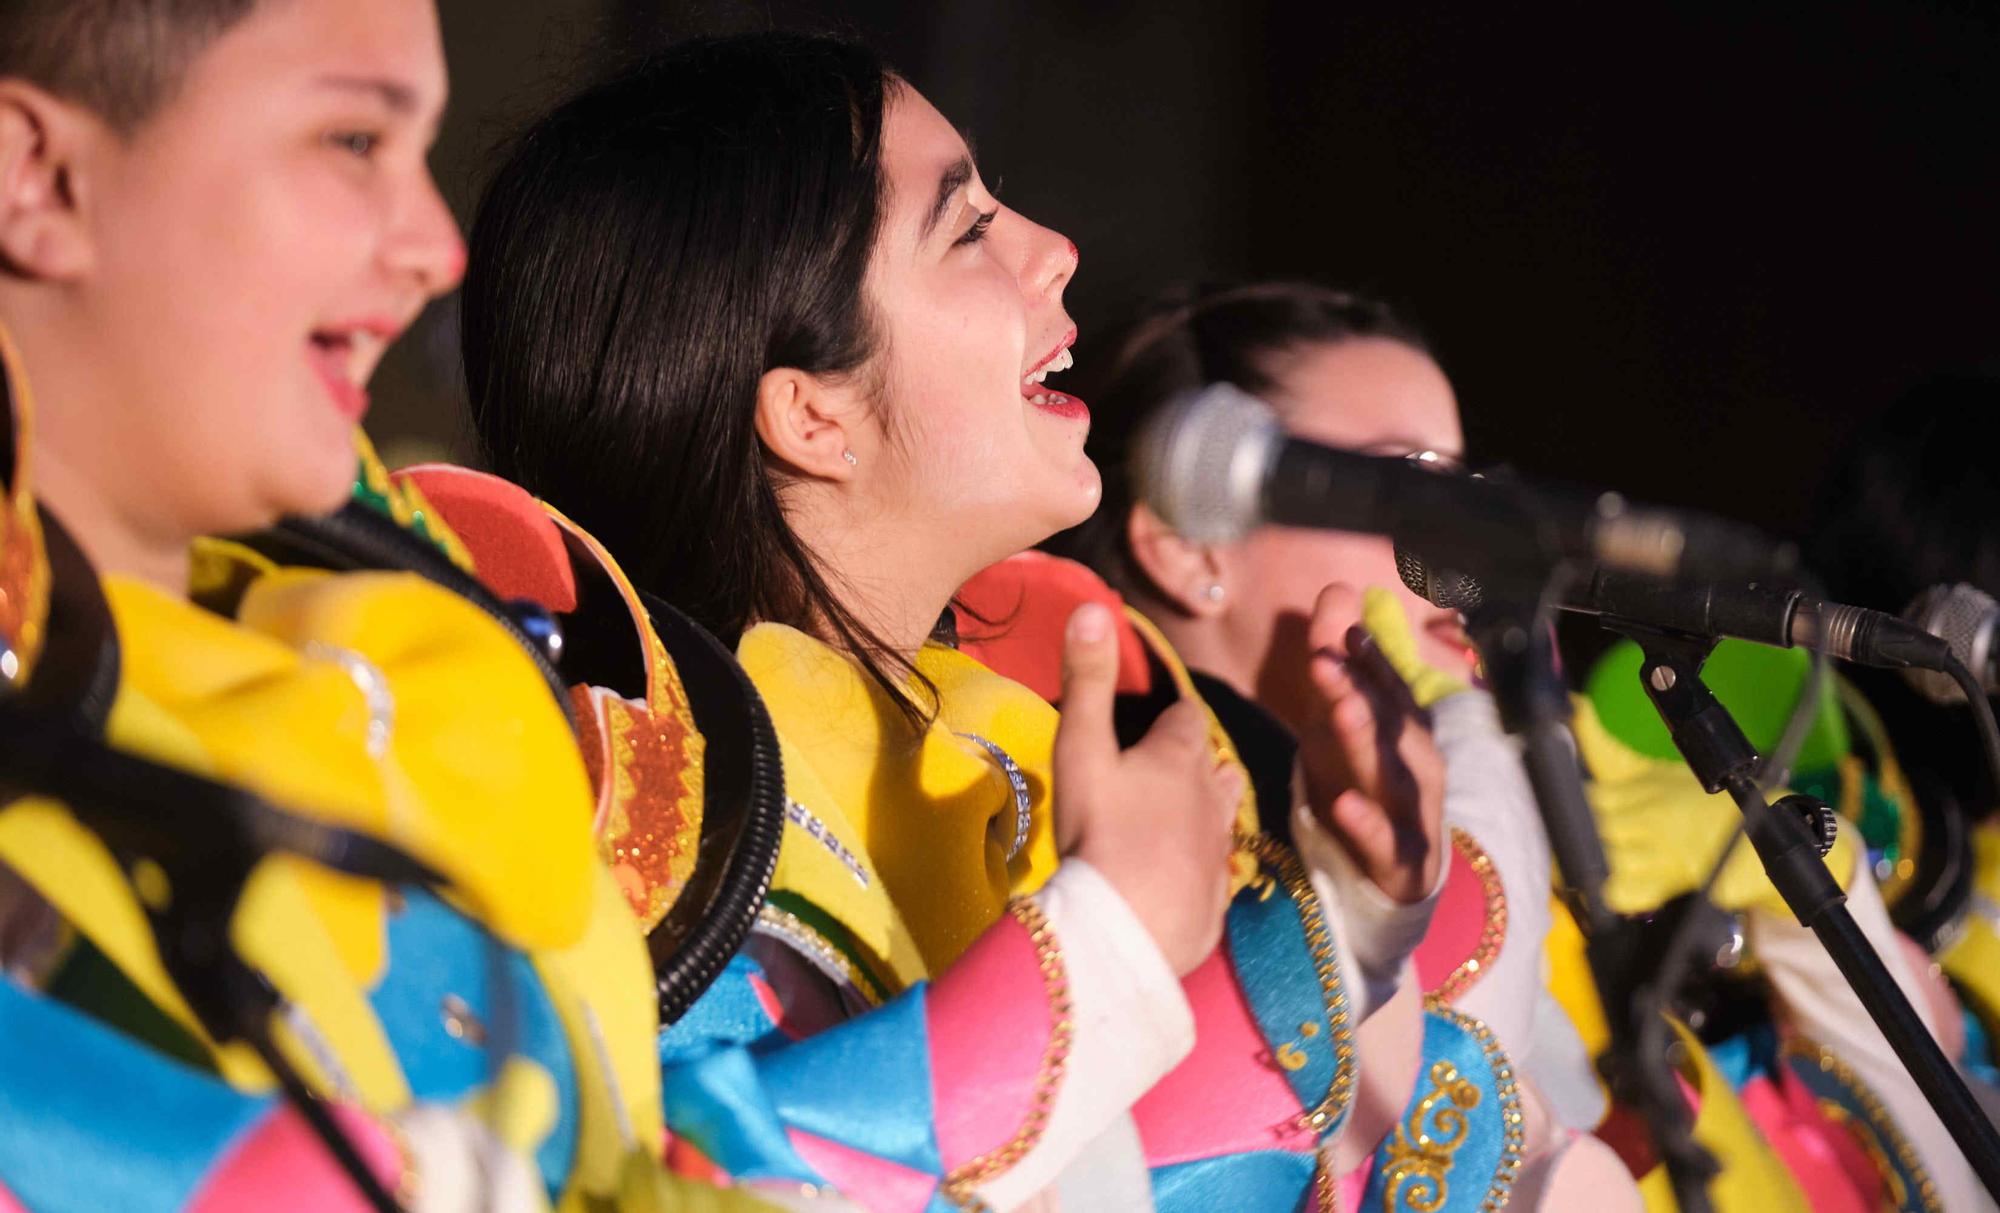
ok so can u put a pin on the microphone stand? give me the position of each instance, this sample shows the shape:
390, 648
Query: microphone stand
1715, 748
1511, 632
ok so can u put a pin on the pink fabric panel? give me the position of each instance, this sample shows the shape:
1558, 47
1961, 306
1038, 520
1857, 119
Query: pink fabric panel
1347, 1193
883, 1186
280, 1164
1455, 927
1229, 1095
8, 1204
989, 1024
1807, 1148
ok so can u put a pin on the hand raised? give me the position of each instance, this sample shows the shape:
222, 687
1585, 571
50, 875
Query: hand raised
1372, 771
1154, 820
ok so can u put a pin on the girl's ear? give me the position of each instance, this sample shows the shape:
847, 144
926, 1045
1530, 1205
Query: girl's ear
808, 423
1188, 575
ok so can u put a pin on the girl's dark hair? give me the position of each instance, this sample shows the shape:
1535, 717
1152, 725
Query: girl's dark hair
1185, 340
643, 256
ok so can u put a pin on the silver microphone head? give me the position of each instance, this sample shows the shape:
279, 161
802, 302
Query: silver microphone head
1201, 462
1964, 617
1452, 590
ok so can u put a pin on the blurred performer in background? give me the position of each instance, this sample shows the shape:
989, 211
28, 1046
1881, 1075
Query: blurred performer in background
214, 215
749, 314
1343, 370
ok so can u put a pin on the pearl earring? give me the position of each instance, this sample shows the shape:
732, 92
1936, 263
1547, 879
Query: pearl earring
849, 456
1213, 592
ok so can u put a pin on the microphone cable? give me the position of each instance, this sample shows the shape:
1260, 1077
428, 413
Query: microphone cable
1982, 713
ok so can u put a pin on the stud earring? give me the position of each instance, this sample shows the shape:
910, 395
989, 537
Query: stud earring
1213, 592
849, 456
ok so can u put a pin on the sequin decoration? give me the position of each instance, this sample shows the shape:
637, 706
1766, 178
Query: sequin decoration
1493, 928
1023, 816
802, 817
646, 767
373, 685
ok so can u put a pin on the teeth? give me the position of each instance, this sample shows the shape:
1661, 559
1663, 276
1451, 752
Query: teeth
1061, 362
363, 351
1039, 398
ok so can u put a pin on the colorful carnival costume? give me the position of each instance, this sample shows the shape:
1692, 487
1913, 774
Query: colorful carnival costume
1239, 1124
487, 1040
1810, 1104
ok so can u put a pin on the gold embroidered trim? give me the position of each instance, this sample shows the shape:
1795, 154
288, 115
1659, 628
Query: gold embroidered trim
1492, 932
1422, 1152
1882, 1131
959, 1184
1275, 855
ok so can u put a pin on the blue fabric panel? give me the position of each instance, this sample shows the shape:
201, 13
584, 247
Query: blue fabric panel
91, 1120
1270, 1181
1473, 1139
720, 1104
727, 1013
434, 953
1274, 966
865, 1084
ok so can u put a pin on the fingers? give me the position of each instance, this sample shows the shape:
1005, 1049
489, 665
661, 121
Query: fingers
1335, 613
1086, 740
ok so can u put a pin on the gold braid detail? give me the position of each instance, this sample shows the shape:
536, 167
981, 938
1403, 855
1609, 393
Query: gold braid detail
1882, 1130
1291, 873
1492, 932
958, 1186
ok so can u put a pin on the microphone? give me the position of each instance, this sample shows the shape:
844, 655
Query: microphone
1216, 464
1966, 619
1777, 615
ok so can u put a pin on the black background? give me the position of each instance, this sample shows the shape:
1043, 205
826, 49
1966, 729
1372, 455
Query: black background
1683, 250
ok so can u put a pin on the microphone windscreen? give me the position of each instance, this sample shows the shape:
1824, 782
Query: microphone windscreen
1964, 617
1447, 588
1201, 462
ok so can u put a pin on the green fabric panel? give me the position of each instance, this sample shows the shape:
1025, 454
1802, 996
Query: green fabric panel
1757, 683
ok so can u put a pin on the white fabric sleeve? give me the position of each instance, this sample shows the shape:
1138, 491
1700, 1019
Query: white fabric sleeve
1487, 794
1821, 1004
1372, 934
1131, 1025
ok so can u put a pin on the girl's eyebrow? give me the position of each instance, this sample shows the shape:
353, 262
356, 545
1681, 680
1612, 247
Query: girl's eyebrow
955, 179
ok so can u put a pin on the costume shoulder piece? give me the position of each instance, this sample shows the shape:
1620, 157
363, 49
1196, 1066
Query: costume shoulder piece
686, 771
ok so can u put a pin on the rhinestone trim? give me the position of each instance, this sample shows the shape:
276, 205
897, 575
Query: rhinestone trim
802, 817
1023, 815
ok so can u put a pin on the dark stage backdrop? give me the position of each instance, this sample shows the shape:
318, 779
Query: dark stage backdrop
1683, 249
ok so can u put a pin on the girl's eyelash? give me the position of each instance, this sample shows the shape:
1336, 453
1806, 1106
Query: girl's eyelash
355, 143
977, 232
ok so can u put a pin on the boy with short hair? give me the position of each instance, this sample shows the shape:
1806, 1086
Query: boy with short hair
214, 215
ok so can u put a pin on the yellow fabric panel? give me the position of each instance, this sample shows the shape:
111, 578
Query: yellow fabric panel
275, 925
1753, 1179
1973, 960
1662, 832
602, 988
497, 800
933, 815
1570, 980
807, 868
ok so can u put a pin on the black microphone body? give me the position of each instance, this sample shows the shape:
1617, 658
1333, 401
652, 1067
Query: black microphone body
1759, 611
1216, 464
